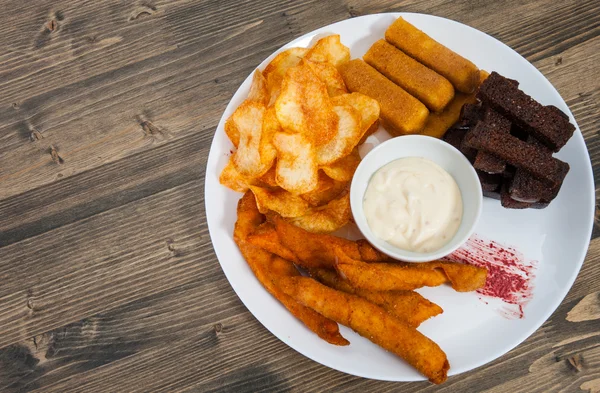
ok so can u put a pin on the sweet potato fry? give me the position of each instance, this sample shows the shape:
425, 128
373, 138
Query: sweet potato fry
368, 253
373, 323
407, 276
317, 250
269, 269
265, 236
407, 306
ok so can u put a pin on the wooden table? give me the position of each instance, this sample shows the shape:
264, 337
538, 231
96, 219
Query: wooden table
108, 280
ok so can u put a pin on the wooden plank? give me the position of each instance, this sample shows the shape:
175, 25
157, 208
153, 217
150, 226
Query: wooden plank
103, 261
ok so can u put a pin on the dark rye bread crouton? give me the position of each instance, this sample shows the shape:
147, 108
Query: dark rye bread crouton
489, 182
546, 123
509, 203
487, 162
522, 155
455, 136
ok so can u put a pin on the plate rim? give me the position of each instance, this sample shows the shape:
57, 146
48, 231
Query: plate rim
453, 371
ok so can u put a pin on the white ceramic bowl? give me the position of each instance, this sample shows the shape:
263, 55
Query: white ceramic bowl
443, 154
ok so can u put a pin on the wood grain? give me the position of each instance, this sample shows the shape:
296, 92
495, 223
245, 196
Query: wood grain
108, 280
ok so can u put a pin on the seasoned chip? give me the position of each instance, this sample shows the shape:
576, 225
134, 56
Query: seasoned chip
248, 119
366, 106
258, 89
275, 70
329, 50
297, 170
280, 201
232, 132
328, 218
327, 190
270, 126
231, 178
343, 169
346, 137
329, 75
304, 107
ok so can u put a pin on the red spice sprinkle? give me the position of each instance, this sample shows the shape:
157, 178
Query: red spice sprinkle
509, 274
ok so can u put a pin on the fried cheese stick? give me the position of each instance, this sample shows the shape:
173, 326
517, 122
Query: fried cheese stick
463, 74
400, 112
428, 86
372, 322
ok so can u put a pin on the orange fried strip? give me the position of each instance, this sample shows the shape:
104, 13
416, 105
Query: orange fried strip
265, 236
463, 74
438, 123
407, 306
373, 323
408, 276
270, 269
315, 250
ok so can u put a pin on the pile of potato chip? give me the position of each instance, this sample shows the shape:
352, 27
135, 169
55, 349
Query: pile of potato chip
297, 135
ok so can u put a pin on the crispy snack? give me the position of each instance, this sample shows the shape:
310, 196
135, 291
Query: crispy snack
297, 170
343, 169
258, 90
329, 75
328, 218
304, 106
368, 253
401, 113
366, 106
329, 50
248, 120
348, 133
317, 250
265, 236
438, 123
402, 276
327, 190
269, 178
275, 70
280, 201
407, 306
270, 269
428, 86
231, 178
372, 322
373, 129
463, 74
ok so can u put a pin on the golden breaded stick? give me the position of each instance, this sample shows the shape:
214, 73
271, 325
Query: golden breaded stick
407, 276
400, 112
463, 74
373, 323
265, 236
438, 123
407, 306
316, 250
269, 269
428, 86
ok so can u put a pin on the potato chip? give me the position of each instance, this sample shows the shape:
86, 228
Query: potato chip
304, 107
280, 201
327, 190
275, 70
232, 132
329, 50
248, 119
258, 89
297, 170
231, 178
329, 75
346, 138
268, 179
270, 126
370, 131
328, 218
366, 106
343, 169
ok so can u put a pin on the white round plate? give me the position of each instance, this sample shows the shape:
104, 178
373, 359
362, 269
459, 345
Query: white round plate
471, 332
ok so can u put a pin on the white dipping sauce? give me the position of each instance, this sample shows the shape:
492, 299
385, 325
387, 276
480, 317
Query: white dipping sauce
413, 204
